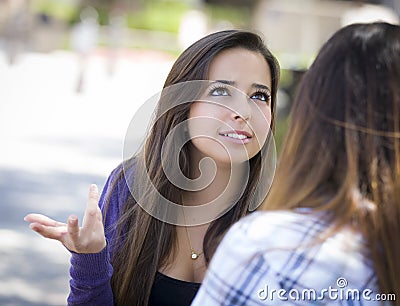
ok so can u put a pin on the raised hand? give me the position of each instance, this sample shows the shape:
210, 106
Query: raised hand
89, 238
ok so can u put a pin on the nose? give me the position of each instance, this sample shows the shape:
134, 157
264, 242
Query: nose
237, 117
241, 109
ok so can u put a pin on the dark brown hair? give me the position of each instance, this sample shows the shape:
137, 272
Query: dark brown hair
145, 243
342, 150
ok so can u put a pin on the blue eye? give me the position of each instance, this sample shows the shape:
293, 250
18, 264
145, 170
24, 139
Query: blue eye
219, 91
261, 96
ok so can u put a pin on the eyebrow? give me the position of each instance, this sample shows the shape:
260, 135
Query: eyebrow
261, 86
232, 83
224, 82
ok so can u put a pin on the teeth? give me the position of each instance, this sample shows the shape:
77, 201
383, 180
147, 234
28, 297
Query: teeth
236, 136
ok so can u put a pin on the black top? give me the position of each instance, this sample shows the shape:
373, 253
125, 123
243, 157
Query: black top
168, 291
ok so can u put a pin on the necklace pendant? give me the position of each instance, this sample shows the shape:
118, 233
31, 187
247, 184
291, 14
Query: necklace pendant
194, 255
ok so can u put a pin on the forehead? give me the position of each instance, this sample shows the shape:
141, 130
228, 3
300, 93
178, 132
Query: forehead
239, 64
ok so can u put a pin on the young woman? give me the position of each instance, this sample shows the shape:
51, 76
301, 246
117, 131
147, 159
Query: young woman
218, 103
333, 235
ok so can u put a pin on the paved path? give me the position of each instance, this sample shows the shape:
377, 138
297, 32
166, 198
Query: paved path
55, 142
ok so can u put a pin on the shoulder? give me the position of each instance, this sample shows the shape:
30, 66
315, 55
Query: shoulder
286, 233
295, 249
115, 195
268, 237
117, 187
277, 229
285, 252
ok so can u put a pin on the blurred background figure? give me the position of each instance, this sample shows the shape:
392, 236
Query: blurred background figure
60, 132
115, 36
84, 38
15, 28
193, 25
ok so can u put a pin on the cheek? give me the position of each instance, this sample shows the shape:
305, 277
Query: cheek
203, 119
268, 116
201, 109
201, 126
262, 125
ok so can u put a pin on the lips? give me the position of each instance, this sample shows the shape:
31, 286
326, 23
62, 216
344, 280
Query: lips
241, 136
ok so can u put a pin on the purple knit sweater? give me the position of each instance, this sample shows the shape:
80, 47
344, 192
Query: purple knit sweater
91, 273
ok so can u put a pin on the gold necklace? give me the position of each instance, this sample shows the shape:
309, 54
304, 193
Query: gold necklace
193, 254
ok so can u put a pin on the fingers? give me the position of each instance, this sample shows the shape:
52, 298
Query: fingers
50, 232
42, 219
86, 239
73, 227
46, 227
93, 200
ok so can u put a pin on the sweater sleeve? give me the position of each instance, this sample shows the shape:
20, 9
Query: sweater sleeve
91, 273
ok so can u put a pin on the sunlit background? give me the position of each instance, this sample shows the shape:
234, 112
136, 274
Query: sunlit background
72, 75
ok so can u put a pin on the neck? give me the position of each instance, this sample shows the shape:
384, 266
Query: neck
211, 179
218, 186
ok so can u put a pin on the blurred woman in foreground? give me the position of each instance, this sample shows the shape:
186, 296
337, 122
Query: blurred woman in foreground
331, 229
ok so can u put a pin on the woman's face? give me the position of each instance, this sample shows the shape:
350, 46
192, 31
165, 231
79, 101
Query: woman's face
231, 121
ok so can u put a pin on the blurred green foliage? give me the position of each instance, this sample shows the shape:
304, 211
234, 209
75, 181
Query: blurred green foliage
156, 15
238, 17
282, 125
62, 10
286, 78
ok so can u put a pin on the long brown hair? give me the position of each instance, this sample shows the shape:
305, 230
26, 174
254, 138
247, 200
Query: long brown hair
342, 150
143, 242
